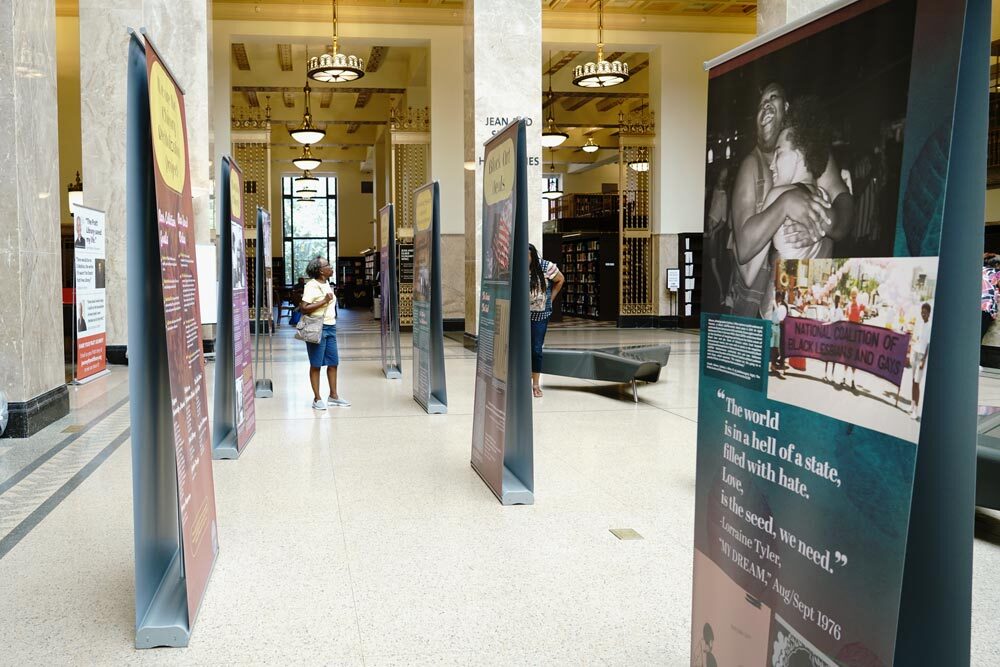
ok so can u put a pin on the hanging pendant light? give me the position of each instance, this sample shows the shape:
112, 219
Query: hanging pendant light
306, 161
552, 136
306, 180
590, 146
335, 67
552, 189
307, 134
640, 164
600, 74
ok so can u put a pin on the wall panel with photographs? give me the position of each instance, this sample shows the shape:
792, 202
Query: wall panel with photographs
828, 195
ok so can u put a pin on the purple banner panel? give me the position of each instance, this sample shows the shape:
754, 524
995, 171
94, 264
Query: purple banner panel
876, 350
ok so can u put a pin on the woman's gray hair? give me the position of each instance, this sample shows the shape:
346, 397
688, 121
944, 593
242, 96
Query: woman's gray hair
314, 265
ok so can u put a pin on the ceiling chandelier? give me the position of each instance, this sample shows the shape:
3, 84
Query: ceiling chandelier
590, 146
306, 161
552, 189
307, 134
552, 136
305, 181
335, 67
640, 164
600, 74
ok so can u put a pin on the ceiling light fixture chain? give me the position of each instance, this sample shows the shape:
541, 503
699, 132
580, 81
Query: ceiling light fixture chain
552, 136
600, 74
335, 67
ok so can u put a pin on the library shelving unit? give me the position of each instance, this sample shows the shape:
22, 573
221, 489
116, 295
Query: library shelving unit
590, 266
352, 271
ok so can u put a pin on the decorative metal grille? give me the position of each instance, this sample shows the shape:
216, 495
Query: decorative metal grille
411, 150
252, 158
635, 224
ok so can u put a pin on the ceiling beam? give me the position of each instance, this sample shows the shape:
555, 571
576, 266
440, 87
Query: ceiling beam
638, 68
325, 99
339, 89
252, 99
608, 104
567, 58
289, 99
363, 100
285, 57
239, 51
353, 127
572, 104
375, 58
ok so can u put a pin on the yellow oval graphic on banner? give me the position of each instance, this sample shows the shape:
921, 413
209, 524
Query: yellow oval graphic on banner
425, 201
498, 175
169, 147
235, 194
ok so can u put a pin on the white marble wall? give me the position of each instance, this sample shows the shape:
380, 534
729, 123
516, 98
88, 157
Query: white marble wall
31, 342
773, 14
503, 58
181, 31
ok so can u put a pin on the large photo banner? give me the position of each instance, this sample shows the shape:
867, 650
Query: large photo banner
179, 275
90, 308
826, 175
389, 288
429, 387
245, 417
501, 432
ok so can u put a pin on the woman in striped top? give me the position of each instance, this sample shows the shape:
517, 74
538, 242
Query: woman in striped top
545, 282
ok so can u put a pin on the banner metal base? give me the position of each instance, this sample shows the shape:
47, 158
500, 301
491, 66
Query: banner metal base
88, 380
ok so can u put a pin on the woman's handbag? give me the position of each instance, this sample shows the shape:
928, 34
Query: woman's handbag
309, 329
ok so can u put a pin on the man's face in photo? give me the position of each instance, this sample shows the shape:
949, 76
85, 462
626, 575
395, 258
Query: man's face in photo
771, 111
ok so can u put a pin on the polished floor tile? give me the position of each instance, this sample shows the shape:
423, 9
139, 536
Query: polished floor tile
362, 536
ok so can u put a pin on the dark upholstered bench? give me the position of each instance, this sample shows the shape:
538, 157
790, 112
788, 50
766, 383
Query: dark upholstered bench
627, 364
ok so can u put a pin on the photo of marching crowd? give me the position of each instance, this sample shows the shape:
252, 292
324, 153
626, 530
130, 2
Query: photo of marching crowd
852, 337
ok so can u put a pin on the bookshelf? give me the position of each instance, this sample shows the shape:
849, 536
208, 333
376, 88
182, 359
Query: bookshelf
352, 271
590, 266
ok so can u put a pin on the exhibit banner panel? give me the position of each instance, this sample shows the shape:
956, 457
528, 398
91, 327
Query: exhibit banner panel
392, 365
263, 306
429, 387
90, 307
234, 415
176, 538
836, 238
502, 420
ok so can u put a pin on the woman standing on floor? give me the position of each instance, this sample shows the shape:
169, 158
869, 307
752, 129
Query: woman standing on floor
318, 300
545, 283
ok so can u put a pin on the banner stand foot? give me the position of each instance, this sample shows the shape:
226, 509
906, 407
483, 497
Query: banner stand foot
392, 374
88, 380
166, 621
264, 388
226, 449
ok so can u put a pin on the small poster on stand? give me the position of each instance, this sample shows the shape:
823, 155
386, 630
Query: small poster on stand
429, 388
90, 309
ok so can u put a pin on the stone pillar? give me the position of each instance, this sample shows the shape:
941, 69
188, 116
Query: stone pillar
503, 79
447, 149
773, 14
181, 31
32, 370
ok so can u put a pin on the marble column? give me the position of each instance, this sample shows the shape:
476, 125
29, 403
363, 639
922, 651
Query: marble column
447, 150
773, 14
503, 79
32, 371
181, 31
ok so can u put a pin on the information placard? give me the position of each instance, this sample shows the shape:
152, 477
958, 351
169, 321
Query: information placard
389, 320
429, 388
178, 272
842, 255
243, 384
90, 309
502, 420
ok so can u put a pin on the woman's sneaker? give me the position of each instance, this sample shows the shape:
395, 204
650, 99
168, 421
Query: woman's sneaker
338, 402
319, 405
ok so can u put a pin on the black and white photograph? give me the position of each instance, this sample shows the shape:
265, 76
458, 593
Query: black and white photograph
803, 155
239, 259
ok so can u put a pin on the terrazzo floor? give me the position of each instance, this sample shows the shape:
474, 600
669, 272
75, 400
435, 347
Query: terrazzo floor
362, 536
